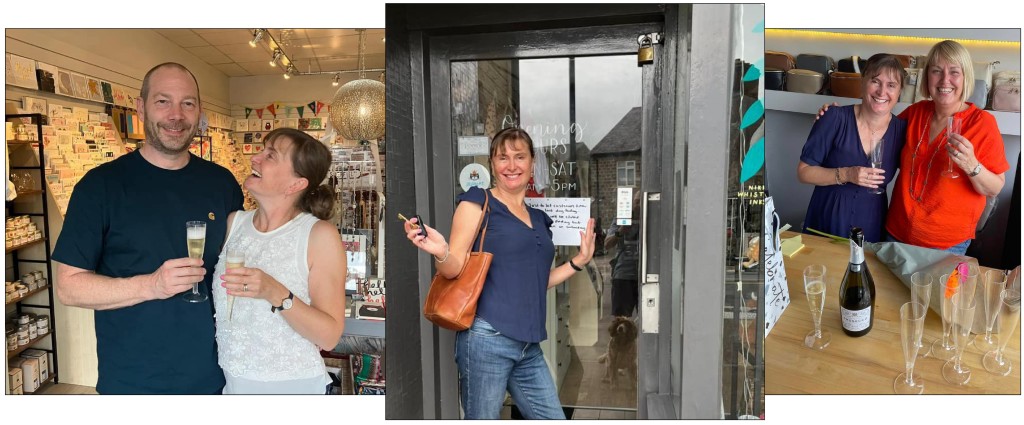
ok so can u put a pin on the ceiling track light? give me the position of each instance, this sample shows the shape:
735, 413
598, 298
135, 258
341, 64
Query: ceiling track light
257, 35
277, 56
337, 80
289, 71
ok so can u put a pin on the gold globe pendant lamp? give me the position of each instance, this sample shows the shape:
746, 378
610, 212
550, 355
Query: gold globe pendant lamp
357, 110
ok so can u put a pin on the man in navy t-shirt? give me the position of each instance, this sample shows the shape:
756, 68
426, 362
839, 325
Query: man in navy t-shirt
123, 251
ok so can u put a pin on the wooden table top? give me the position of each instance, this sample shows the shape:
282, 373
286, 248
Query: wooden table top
869, 364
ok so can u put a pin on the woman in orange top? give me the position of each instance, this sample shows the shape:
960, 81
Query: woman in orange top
928, 208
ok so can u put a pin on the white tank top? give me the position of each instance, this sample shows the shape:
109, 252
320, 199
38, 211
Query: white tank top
257, 344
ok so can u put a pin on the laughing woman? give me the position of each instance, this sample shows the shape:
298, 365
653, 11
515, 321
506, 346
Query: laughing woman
838, 152
289, 298
501, 351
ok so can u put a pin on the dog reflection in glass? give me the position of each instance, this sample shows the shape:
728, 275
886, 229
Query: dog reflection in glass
621, 354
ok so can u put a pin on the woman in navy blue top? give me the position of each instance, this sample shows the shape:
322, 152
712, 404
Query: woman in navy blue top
500, 351
838, 149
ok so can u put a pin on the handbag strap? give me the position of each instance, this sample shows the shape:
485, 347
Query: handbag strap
482, 225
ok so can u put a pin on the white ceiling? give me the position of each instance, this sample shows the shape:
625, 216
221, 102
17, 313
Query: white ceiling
311, 50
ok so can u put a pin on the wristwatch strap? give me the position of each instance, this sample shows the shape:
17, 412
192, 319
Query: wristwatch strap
277, 309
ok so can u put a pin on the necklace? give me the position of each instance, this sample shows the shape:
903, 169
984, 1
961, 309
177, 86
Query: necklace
871, 130
919, 196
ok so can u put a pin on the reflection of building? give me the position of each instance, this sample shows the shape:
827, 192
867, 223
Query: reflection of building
617, 161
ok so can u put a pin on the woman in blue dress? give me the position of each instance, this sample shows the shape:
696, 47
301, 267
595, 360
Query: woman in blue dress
836, 158
501, 351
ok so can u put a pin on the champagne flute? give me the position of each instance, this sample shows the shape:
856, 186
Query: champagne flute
943, 348
953, 125
233, 259
912, 317
1009, 315
814, 287
196, 237
877, 149
920, 294
993, 283
954, 371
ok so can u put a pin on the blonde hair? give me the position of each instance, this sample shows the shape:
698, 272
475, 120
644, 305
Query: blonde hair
954, 52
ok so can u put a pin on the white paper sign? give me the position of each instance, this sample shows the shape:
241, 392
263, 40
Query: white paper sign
570, 216
624, 206
473, 146
776, 287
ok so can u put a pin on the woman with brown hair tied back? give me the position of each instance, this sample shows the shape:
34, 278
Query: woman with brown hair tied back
501, 351
287, 300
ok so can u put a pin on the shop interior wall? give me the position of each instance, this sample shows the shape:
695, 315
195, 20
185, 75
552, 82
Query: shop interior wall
121, 57
845, 46
261, 90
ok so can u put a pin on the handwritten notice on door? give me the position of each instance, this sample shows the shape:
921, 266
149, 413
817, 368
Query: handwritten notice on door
776, 287
570, 217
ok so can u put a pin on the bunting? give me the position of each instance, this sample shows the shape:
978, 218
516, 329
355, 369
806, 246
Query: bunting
247, 112
312, 107
272, 110
300, 109
319, 107
259, 113
288, 111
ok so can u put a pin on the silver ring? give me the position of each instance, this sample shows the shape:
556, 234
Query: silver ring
245, 287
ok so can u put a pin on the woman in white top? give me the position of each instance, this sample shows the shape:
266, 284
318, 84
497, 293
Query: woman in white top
289, 299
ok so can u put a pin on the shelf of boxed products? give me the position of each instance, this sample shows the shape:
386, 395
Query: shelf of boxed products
24, 245
1009, 122
44, 384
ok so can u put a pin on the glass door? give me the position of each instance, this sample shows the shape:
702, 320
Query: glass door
583, 103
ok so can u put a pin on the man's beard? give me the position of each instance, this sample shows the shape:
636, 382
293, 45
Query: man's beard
153, 137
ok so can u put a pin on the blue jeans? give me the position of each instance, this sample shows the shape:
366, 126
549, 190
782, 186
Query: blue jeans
958, 249
491, 363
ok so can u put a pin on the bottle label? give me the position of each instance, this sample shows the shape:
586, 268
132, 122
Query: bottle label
856, 253
855, 320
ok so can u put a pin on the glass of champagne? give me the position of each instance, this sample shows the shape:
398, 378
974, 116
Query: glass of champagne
1009, 315
953, 125
233, 259
877, 150
921, 294
992, 283
943, 348
196, 237
954, 371
911, 322
814, 287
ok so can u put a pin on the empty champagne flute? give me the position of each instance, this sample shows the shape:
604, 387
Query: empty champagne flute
1009, 316
992, 285
912, 316
953, 125
814, 287
233, 259
921, 294
954, 371
943, 348
877, 149
196, 237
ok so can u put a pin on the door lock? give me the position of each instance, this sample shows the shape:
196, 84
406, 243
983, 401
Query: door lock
645, 54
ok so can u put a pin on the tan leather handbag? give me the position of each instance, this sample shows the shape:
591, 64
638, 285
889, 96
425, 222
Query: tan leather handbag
845, 84
451, 303
804, 81
779, 60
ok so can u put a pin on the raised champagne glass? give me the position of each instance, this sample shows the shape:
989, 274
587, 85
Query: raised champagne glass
877, 149
911, 322
196, 237
814, 287
1009, 316
233, 259
953, 125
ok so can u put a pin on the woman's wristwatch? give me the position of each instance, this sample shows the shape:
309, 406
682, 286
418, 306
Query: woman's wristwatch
975, 171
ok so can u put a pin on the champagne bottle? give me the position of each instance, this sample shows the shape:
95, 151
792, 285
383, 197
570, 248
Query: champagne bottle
857, 293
